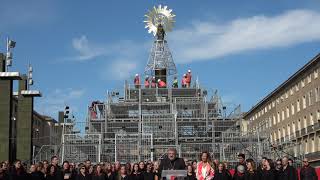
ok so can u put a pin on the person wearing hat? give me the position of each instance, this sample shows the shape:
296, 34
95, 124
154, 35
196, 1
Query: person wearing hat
184, 81
136, 81
188, 78
161, 84
147, 82
175, 83
153, 82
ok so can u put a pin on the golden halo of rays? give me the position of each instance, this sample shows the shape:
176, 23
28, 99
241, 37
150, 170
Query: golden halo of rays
158, 15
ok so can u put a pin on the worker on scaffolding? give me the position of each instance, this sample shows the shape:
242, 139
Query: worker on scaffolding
184, 81
136, 81
147, 82
175, 82
161, 84
188, 80
153, 82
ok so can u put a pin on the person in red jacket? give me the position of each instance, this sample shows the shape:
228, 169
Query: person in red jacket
147, 82
153, 82
184, 81
136, 81
161, 84
189, 76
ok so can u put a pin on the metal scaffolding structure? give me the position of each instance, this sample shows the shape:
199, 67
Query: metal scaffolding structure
140, 124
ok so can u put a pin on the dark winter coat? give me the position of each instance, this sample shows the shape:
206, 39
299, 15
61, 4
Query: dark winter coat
18, 175
238, 176
137, 176
308, 173
37, 176
191, 177
268, 175
224, 175
112, 176
148, 176
252, 175
288, 173
102, 176
81, 177
176, 164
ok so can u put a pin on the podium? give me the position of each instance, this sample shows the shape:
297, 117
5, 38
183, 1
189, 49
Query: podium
178, 174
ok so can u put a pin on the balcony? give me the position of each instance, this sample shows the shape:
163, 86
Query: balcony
316, 126
310, 129
303, 132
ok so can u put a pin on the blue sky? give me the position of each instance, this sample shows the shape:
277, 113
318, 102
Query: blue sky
244, 49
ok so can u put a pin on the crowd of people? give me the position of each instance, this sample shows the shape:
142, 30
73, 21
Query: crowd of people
203, 169
152, 82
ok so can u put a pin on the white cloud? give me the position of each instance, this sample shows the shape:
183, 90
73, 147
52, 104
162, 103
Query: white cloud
88, 50
122, 58
121, 69
209, 40
206, 40
56, 100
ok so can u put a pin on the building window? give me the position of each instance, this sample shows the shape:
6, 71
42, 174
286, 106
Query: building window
287, 94
278, 117
279, 134
284, 132
311, 119
302, 83
282, 115
288, 113
315, 73
309, 78
316, 94
304, 102
269, 106
293, 127
288, 130
292, 109
305, 122
310, 98
312, 145
297, 87
291, 91
274, 119
299, 125
298, 105
270, 122
273, 104
306, 147
318, 115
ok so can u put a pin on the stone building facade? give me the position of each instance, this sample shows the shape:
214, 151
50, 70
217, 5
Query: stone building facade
290, 115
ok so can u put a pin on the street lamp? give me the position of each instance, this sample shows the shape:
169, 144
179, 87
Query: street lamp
10, 45
30, 80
